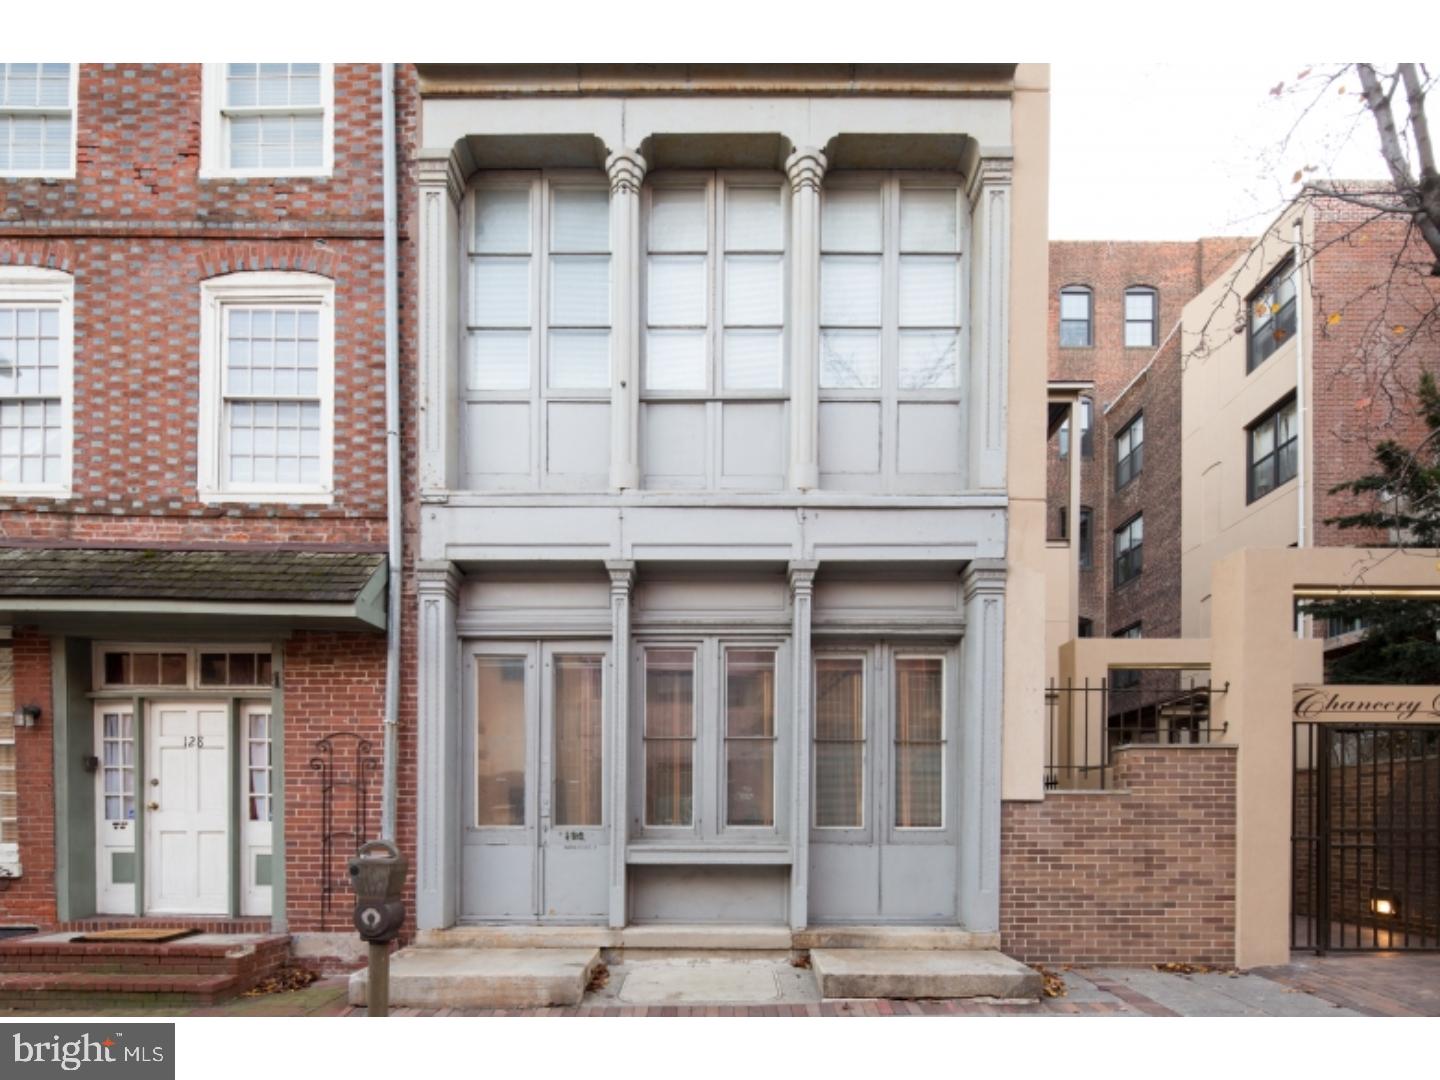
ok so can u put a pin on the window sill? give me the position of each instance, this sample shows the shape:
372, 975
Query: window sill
36, 493
267, 174
9, 871
711, 854
58, 174
240, 498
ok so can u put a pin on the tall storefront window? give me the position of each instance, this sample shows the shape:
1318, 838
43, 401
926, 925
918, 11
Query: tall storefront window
579, 732
500, 746
750, 737
840, 742
669, 736
919, 742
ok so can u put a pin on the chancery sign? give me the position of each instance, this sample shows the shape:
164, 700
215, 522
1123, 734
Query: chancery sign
1388, 704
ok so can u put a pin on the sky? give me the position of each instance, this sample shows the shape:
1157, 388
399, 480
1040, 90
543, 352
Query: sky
1176, 151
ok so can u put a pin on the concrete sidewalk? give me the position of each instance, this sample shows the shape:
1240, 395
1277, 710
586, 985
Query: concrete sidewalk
1345, 985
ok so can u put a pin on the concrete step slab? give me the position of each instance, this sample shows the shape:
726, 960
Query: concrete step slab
895, 937
484, 978
670, 936
919, 973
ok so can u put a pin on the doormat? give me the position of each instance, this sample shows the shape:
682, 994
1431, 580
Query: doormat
154, 935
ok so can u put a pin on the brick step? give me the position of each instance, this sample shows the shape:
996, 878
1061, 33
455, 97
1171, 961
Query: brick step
35, 989
204, 968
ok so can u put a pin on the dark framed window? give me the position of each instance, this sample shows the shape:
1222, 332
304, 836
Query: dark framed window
1077, 307
1271, 444
1086, 628
1142, 317
1062, 524
1087, 426
1130, 451
1126, 678
1129, 548
1087, 544
1272, 314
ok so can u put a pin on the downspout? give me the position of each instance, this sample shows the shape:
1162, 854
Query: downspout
1302, 537
390, 779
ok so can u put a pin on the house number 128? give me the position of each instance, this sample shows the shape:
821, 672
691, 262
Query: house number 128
197, 741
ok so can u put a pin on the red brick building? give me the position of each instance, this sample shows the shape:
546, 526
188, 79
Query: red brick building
1124, 302
192, 489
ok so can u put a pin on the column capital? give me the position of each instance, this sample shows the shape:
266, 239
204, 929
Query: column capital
983, 576
440, 168
626, 169
993, 170
622, 575
439, 577
802, 575
806, 169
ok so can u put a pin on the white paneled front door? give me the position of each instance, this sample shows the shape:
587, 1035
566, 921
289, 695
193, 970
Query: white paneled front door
187, 808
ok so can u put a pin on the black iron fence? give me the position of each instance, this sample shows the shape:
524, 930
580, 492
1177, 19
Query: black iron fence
1087, 722
1365, 846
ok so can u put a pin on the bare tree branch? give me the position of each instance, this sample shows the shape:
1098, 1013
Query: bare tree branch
1393, 149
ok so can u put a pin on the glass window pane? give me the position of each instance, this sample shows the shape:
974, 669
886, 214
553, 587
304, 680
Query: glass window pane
1139, 306
750, 782
669, 781
214, 670
146, 669
499, 360
669, 693
754, 290
850, 219
242, 669
1285, 424
1075, 305
500, 740
850, 290
1075, 334
918, 698
579, 739
675, 360
919, 782
1139, 335
1262, 440
581, 220
839, 785
580, 290
502, 221
753, 219
753, 360
839, 698
172, 669
500, 292
929, 360
678, 219
928, 220
117, 668
749, 692
579, 359
676, 291
849, 359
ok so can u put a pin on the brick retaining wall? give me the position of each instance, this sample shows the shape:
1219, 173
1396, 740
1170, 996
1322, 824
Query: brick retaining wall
1141, 874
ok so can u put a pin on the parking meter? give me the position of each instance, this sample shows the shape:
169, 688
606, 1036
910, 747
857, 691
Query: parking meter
377, 873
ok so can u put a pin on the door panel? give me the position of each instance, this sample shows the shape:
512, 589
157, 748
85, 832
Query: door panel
536, 841
877, 868
187, 809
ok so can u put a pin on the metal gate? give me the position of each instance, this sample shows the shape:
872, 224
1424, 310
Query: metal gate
1366, 837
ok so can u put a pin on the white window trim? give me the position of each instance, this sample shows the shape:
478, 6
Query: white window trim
262, 287
68, 172
36, 285
212, 129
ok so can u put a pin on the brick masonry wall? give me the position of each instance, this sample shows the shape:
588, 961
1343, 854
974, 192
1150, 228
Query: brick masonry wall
1178, 270
1140, 875
140, 231
1367, 364
334, 684
30, 899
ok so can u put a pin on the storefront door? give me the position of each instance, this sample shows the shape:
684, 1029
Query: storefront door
536, 837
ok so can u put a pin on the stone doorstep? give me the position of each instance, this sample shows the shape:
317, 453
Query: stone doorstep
913, 973
484, 978
708, 938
